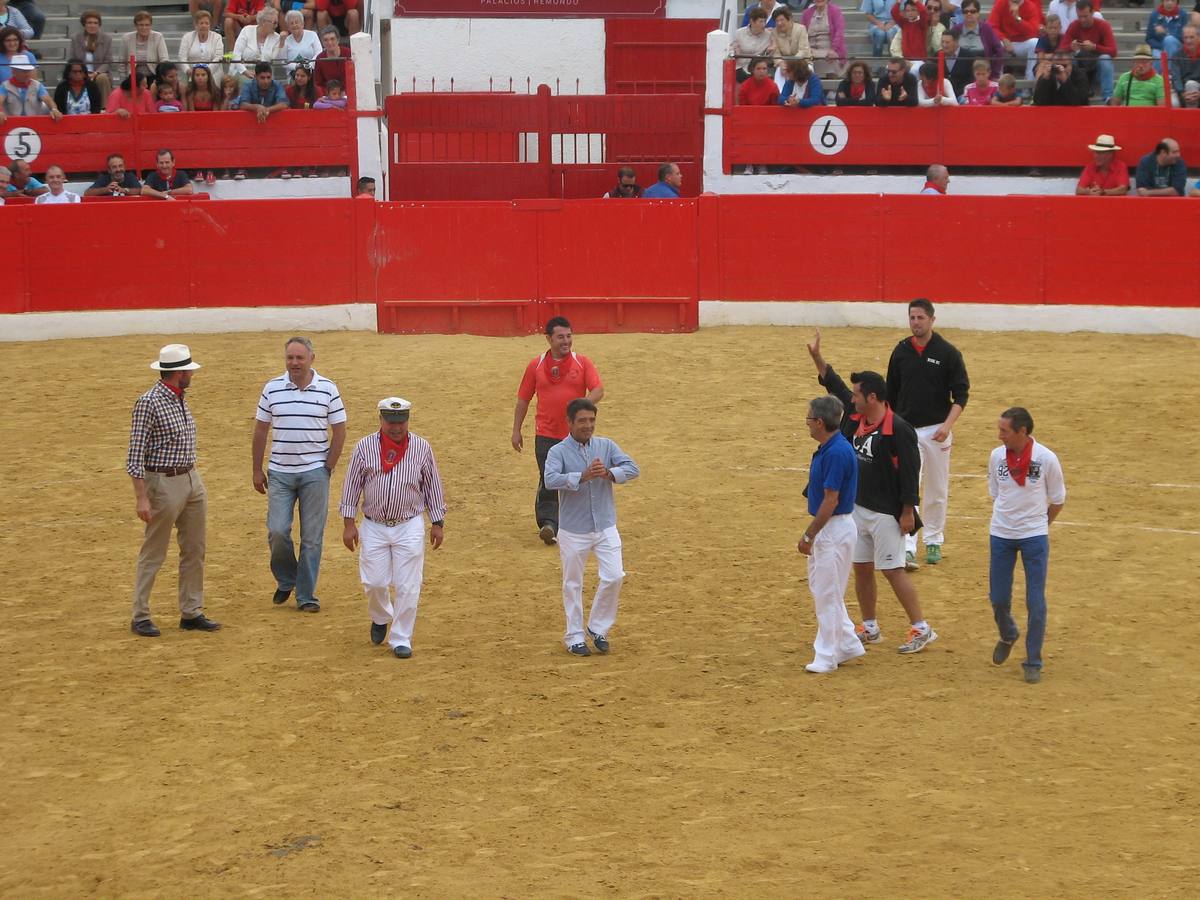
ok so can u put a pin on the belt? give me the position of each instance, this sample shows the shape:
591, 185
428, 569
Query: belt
168, 471
388, 522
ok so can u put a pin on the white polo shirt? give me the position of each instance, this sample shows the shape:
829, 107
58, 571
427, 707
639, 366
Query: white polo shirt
64, 197
1020, 511
300, 421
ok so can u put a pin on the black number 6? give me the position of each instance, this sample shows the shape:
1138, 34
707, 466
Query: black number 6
828, 138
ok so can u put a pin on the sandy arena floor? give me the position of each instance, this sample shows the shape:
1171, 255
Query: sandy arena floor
287, 756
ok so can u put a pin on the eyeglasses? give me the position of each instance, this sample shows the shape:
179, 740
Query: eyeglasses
812, 418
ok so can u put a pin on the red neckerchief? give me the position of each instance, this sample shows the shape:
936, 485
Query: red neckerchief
920, 350
883, 426
391, 452
930, 184
557, 369
1018, 463
1164, 13
177, 391
857, 90
1149, 74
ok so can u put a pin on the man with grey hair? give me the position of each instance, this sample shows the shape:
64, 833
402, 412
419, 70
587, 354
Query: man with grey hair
937, 179
305, 414
829, 539
5, 178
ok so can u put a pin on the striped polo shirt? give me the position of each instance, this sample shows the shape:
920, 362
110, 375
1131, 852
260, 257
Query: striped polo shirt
300, 421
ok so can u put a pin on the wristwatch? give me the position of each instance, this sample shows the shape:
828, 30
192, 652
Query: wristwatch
807, 538
439, 523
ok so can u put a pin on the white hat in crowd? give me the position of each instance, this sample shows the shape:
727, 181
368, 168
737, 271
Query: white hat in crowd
21, 61
1104, 142
175, 358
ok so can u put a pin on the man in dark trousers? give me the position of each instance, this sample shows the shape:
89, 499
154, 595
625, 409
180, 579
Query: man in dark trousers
927, 384
885, 505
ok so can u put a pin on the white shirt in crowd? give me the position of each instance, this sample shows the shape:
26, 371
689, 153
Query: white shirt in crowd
308, 48
948, 97
64, 197
300, 421
1020, 511
248, 49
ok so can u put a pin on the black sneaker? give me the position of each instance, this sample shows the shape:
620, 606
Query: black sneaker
1033, 674
580, 649
200, 623
145, 628
402, 652
547, 534
598, 641
1003, 648
281, 596
378, 633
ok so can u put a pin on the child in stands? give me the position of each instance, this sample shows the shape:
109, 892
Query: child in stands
167, 103
335, 96
1006, 91
981, 91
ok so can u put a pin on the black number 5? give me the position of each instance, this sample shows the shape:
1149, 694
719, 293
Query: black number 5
24, 148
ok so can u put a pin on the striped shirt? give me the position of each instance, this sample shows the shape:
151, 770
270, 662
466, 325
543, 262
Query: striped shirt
300, 421
586, 507
412, 486
163, 433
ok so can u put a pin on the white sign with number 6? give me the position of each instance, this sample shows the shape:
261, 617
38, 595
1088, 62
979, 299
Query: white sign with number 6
22, 143
829, 135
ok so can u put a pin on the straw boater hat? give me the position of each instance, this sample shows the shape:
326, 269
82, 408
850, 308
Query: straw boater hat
175, 358
1104, 142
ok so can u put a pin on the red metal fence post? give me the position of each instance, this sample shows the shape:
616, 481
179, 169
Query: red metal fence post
543, 116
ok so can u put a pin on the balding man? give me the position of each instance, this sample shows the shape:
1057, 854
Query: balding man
937, 179
1162, 173
669, 182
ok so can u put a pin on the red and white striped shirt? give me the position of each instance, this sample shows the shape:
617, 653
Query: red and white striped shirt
411, 487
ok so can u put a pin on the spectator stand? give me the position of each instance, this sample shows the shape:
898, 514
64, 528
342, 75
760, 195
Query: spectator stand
883, 139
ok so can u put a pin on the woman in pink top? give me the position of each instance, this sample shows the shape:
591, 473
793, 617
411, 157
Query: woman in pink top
826, 37
981, 91
122, 102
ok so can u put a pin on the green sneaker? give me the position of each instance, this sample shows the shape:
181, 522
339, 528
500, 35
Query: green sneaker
933, 554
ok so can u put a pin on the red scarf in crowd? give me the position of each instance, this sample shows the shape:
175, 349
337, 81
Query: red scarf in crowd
1146, 76
1018, 463
930, 184
557, 369
391, 452
1163, 12
857, 90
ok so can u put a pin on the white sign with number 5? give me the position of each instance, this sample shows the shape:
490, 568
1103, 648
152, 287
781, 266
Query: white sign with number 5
22, 143
829, 135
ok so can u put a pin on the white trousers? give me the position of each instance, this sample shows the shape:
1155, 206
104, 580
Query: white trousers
1028, 50
935, 487
828, 575
393, 557
574, 550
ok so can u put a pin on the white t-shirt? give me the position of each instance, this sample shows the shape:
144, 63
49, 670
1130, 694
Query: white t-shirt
1020, 511
64, 197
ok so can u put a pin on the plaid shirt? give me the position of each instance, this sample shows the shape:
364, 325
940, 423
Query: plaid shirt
163, 434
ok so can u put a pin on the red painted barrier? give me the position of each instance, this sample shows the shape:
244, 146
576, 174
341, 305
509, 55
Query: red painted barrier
659, 56
200, 140
609, 265
511, 146
995, 137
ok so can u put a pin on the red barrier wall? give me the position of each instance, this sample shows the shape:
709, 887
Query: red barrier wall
996, 137
609, 265
207, 140
657, 56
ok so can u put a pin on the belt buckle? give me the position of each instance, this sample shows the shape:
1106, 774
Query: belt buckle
392, 522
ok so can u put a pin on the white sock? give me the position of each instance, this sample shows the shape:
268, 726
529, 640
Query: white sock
921, 626
871, 624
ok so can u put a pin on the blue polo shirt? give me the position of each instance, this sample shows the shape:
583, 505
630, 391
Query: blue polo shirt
835, 468
660, 190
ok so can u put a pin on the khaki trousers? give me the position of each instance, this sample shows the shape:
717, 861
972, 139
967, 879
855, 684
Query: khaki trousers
177, 501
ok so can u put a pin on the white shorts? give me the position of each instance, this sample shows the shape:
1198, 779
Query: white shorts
880, 540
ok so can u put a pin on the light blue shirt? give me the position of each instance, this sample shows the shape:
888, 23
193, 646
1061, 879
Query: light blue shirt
586, 507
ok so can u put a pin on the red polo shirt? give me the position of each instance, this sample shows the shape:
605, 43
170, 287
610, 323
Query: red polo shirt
1115, 175
758, 93
557, 382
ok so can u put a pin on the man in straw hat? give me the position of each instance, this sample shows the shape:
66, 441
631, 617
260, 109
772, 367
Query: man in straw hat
394, 474
1105, 175
168, 491
1141, 85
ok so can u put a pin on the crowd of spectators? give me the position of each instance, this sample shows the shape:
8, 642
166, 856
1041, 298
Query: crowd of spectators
1064, 55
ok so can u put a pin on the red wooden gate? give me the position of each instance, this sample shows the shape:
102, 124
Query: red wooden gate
453, 146
656, 56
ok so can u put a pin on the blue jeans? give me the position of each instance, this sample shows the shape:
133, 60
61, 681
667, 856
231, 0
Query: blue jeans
880, 39
1035, 558
1171, 44
311, 488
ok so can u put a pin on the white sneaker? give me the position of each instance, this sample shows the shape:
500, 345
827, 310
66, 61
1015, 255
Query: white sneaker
917, 640
868, 637
821, 668
860, 650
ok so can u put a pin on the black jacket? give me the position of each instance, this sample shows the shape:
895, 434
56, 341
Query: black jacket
910, 87
844, 98
1074, 92
923, 386
93, 92
961, 73
889, 460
